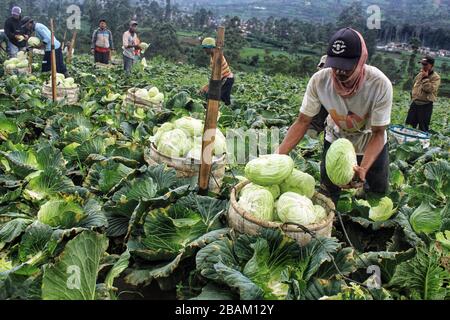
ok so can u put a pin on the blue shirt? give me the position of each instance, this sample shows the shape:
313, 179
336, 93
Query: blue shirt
44, 34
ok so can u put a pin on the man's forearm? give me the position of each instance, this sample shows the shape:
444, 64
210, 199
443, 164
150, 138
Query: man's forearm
374, 148
295, 134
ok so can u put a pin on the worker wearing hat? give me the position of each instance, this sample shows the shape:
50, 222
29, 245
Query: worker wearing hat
102, 43
227, 77
358, 98
424, 94
44, 34
131, 49
17, 40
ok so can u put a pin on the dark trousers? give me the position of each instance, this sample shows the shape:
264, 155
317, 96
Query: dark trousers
101, 57
226, 91
318, 122
420, 115
47, 64
377, 179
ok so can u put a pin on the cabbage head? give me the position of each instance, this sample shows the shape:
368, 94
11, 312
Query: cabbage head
269, 170
301, 183
34, 42
321, 213
383, 211
220, 144
61, 213
142, 93
274, 190
259, 203
166, 127
294, 208
153, 92
174, 144
22, 64
340, 162
191, 126
426, 219
158, 99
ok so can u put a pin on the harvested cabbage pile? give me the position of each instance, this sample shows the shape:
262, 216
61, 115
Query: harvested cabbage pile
62, 82
182, 138
153, 95
16, 63
280, 193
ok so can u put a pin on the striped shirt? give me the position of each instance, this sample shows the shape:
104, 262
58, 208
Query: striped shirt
226, 71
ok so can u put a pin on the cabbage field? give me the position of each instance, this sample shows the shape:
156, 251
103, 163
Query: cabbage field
83, 216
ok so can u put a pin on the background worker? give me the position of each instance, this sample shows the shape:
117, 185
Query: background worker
44, 35
17, 40
358, 98
424, 94
131, 49
102, 43
227, 76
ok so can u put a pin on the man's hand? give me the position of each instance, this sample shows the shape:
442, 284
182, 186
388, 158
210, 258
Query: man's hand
425, 73
205, 89
358, 180
93, 51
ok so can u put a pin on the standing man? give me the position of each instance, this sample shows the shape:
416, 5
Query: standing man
44, 34
318, 122
131, 49
102, 43
208, 45
17, 41
424, 94
358, 98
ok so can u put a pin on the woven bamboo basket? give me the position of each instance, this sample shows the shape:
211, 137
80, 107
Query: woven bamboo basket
245, 223
138, 102
70, 95
187, 168
18, 71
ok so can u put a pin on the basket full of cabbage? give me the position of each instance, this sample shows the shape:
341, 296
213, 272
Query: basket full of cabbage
149, 97
178, 144
276, 195
66, 89
18, 65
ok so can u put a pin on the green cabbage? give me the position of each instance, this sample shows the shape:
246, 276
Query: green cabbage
153, 92
192, 127
340, 162
174, 144
294, 208
274, 190
61, 213
142, 93
444, 239
220, 144
269, 170
34, 42
426, 219
159, 98
259, 203
321, 213
22, 64
301, 183
383, 211
166, 127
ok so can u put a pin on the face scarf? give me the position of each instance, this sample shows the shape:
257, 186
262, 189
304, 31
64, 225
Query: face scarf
349, 87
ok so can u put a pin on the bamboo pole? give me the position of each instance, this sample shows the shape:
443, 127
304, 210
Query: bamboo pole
30, 60
53, 60
71, 47
63, 44
212, 113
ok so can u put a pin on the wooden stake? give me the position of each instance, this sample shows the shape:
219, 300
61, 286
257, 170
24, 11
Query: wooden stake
63, 44
71, 47
53, 60
212, 114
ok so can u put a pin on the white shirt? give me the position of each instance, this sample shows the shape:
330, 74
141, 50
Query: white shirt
351, 118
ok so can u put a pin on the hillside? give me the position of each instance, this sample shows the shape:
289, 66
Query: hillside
434, 12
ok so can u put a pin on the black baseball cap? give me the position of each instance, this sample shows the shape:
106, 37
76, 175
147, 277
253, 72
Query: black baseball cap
344, 50
427, 60
102, 20
25, 20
